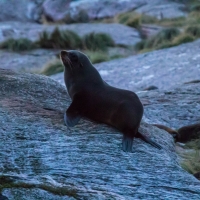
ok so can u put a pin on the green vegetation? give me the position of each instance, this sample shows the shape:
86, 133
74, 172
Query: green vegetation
134, 19
55, 65
21, 44
195, 7
168, 38
60, 39
191, 156
193, 30
160, 40
52, 67
182, 38
97, 41
97, 56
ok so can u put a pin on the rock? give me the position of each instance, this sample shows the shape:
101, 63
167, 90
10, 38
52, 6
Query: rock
104, 8
165, 68
41, 158
20, 10
174, 108
60, 10
122, 35
56, 10
109, 8
151, 87
162, 9
29, 61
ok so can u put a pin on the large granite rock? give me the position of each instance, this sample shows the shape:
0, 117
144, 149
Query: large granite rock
60, 10
163, 9
42, 159
56, 10
21, 10
98, 9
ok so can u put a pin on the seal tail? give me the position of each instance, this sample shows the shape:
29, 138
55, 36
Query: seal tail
147, 140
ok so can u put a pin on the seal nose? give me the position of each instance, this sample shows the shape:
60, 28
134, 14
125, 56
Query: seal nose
63, 54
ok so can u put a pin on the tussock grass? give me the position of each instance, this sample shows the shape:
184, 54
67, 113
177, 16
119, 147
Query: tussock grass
161, 40
183, 38
193, 30
52, 67
60, 39
97, 56
134, 19
191, 156
191, 159
21, 44
97, 41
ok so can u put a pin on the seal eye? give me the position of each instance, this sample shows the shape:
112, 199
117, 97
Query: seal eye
73, 57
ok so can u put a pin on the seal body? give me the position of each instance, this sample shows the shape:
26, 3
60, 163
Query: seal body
93, 98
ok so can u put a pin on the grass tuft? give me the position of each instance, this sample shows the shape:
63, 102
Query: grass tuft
60, 39
97, 56
163, 39
134, 19
183, 38
97, 41
22, 44
52, 67
193, 30
190, 155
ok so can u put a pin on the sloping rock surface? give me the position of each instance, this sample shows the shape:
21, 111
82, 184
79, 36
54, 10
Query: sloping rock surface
164, 68
29, 61
174, 108
42, 159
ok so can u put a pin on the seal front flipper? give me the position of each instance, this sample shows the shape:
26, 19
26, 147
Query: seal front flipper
127, 143
71, 120
71, 116
148, 140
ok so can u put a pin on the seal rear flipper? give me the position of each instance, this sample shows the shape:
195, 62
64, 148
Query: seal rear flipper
148, 140
127, 143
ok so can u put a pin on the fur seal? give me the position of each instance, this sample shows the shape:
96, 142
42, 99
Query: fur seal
94, 99
189, 132
172, 132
